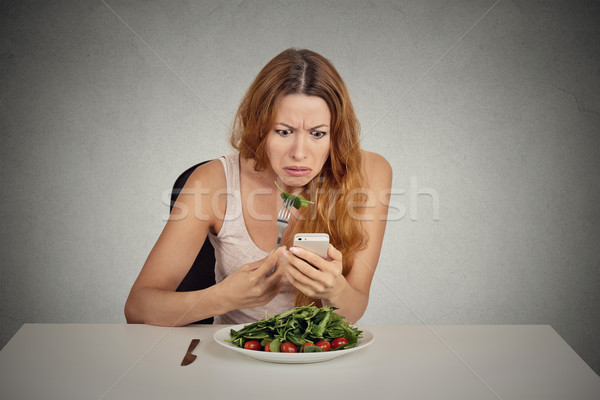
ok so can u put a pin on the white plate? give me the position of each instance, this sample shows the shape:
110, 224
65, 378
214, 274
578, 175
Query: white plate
288, 358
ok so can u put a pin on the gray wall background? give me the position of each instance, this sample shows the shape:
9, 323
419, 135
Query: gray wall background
494, 107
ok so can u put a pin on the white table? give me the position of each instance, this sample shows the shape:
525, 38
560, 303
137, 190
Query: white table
88, 361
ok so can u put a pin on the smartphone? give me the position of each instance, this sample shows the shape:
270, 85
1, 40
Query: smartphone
317, 243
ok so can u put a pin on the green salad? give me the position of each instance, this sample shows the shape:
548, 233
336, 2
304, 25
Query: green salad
301, 329
298, 199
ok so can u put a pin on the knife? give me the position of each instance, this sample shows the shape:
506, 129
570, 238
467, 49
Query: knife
189, 357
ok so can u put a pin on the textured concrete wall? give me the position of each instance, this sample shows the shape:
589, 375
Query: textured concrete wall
490, 107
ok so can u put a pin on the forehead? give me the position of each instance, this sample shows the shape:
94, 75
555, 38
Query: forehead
301, 109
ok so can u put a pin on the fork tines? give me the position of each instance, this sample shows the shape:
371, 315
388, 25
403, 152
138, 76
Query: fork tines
285, 210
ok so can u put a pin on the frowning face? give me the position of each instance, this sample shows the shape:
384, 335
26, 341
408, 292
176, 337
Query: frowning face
299, 142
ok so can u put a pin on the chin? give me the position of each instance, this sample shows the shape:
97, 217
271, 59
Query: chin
293, 181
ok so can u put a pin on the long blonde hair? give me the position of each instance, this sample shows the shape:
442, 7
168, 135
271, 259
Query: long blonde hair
337, 189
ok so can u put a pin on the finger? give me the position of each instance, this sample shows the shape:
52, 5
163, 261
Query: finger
272, 289
305, 268
301, 282
275, 273
308, 256
267, 263
273, 293
333, 253
279, 285
311, 276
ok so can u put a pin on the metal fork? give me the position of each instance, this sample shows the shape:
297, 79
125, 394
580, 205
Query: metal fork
283, 218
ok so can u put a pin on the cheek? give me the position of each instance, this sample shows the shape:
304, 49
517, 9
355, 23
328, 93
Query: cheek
270, 146
274, 149
268, 149
325, 150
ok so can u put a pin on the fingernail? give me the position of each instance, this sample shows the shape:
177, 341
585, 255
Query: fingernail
294, 250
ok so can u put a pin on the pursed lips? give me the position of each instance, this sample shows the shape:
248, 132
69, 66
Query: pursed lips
297, 170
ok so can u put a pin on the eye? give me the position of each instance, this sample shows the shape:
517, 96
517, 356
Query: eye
283, 132
318, 134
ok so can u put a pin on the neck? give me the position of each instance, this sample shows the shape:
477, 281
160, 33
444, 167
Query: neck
268, 177
289, 189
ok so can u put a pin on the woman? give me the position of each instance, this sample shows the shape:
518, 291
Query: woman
295, 126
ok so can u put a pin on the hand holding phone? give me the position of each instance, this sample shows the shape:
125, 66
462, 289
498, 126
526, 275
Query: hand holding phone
326, 281
317, 243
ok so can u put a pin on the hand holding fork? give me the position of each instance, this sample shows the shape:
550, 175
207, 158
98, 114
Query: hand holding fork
283, 217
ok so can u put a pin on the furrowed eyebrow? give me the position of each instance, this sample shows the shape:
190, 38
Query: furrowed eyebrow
311, 129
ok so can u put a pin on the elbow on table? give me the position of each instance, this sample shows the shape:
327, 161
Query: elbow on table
132, 314
137, 312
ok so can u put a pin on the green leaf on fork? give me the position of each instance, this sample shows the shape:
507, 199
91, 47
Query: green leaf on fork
299, 200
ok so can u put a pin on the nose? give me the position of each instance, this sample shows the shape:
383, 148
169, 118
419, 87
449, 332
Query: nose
299, 149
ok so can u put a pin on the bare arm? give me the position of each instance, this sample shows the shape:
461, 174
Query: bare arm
350, 293
153, 299
354, 299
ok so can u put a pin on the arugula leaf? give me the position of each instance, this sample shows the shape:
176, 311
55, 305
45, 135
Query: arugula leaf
298, 199
312, 349
275, 345
299, 325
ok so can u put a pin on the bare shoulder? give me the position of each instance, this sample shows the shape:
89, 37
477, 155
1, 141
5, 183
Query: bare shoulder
210, 175
198, 195
377, 168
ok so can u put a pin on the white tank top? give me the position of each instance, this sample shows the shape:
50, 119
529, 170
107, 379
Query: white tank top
234, 247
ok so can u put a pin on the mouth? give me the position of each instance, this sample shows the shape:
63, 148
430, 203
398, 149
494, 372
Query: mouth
297, 171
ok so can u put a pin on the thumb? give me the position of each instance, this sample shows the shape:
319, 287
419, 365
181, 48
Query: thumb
271, 260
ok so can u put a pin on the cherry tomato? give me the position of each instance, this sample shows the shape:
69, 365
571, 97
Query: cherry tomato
305, 345
337, 342
252, 345
268, 347
324, 345
287, 347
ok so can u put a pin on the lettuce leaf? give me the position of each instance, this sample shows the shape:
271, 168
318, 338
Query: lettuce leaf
299, 200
